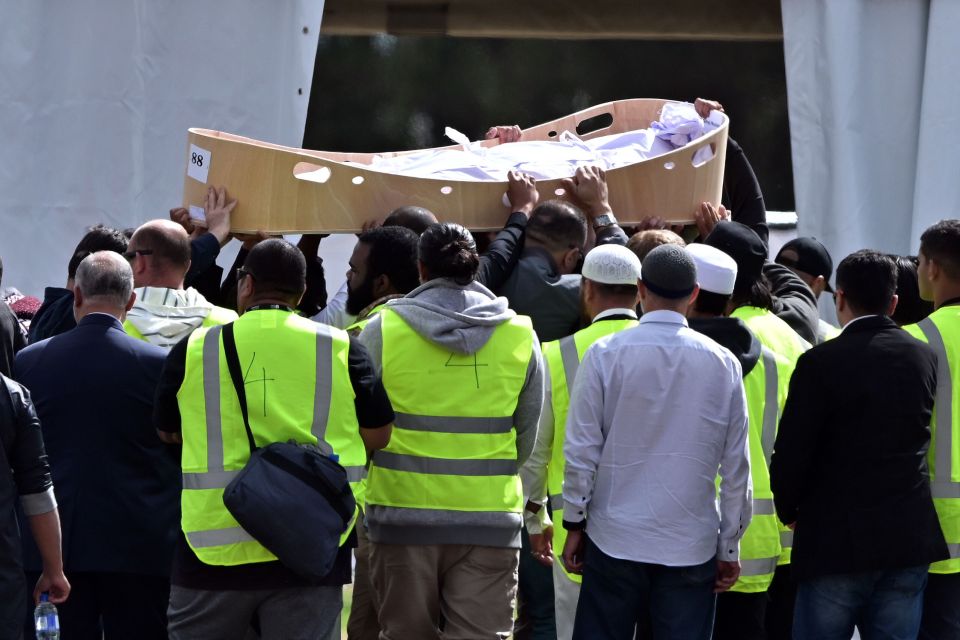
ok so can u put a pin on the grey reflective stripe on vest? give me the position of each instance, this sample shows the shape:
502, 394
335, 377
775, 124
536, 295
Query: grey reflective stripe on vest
211, 398
786, 539
771, 407
571, 361
556, 501
954, 549
444, 466
763, 507
218, 537
453, 424
758, 567
209, 480
942, 485
323, 393
356, 474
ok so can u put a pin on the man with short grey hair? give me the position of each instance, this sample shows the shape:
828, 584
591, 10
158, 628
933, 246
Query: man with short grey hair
117, 485
656, 412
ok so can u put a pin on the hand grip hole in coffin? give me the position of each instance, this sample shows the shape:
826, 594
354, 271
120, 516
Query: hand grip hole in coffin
311, 172
669, 165
447, 190
596, 123
559, 192
703, 155
357, 180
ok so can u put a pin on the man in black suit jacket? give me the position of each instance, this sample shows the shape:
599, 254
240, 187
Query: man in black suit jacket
849, 466
116, 483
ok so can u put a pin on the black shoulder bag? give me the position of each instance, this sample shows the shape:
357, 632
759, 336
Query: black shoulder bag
292, 498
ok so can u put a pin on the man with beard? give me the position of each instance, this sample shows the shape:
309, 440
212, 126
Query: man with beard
383, 267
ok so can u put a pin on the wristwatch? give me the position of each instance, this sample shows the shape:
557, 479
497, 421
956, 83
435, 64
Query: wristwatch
604, 220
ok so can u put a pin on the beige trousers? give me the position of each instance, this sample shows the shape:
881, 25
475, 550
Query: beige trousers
467, 591
363, 624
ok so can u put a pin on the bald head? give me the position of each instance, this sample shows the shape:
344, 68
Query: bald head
160, 252
417, 219
104, 283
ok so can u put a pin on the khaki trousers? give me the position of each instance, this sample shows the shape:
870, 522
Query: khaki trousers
363, 623
467, 591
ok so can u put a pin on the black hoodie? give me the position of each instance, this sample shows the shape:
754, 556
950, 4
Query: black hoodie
733, 334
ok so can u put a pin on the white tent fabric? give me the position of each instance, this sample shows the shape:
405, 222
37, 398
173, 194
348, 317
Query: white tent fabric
96, 97
874, 123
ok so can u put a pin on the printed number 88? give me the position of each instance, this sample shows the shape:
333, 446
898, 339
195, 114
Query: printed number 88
196, 159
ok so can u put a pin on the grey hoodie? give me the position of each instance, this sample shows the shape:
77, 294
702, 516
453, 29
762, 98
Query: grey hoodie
460, 319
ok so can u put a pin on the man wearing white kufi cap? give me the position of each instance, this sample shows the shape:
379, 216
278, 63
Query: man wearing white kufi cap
741, 611
609, 298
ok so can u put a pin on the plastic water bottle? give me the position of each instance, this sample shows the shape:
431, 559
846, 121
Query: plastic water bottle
46, 621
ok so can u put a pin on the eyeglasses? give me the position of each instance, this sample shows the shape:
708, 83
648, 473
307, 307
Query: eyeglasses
130, 255
242, 273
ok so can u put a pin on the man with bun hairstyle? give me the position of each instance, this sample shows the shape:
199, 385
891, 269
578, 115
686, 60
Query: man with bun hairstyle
444, 498
609, 296
657, 411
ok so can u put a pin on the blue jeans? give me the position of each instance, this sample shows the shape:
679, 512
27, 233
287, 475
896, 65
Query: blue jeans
881, 604
678, 601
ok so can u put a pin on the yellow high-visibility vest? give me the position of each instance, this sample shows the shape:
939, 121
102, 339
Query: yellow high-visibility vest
779, 337
766, 389
941, 330
563, 358
297, 387
453, 446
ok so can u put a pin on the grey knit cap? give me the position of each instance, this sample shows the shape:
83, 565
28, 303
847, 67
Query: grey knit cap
669, 272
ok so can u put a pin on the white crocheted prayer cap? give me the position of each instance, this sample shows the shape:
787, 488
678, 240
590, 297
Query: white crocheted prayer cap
611, 264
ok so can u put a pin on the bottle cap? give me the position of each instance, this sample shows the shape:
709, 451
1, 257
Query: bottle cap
44, 597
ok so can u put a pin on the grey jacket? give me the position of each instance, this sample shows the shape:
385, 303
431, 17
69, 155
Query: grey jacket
460, 319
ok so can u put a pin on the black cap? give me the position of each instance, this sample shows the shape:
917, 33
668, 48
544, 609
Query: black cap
741, 243
669, 272
812, 258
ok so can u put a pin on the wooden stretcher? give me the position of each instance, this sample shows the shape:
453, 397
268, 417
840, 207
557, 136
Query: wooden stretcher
285, 190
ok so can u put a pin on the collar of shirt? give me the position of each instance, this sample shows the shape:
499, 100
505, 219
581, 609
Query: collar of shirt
619, 311
665, 316
872, 315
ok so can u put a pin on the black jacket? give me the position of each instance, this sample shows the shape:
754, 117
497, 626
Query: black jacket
849, 463
117, 484
11, 338
55, 315
23, 472
793, 301
733, 334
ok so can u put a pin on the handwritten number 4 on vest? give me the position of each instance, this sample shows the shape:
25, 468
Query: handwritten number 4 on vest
263, 378
476, 372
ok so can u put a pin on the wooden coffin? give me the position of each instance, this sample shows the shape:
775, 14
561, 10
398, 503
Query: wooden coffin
285, 190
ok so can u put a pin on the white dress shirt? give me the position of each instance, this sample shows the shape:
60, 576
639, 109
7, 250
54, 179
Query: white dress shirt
533, 474
656, 411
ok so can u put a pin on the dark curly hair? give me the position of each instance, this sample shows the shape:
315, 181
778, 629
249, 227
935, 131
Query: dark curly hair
447, 250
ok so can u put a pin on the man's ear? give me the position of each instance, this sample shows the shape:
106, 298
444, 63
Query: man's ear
77, 297
570, 260
131, 301
381, 286
933, 270
893, 304
840, 300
